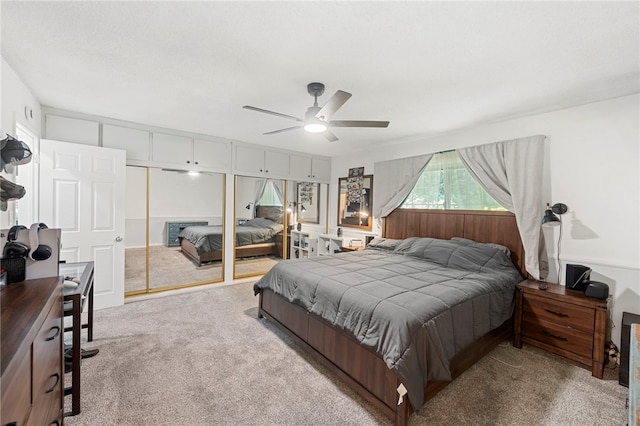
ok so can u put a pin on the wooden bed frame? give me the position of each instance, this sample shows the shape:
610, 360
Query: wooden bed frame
243, 251
270, 212
363, 369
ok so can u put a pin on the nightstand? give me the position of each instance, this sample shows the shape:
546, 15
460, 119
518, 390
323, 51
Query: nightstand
562, 321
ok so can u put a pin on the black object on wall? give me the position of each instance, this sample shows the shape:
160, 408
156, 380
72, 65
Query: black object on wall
627, 320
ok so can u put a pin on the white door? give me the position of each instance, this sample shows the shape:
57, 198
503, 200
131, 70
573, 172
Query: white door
82, 192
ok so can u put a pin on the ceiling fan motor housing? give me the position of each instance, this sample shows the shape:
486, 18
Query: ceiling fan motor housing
315, 89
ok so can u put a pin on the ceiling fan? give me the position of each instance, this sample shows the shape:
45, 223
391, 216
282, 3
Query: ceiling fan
318, 119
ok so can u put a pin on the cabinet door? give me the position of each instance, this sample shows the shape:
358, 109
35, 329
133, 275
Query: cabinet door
250, 160
211, 154
321, 169
134, 142
72, 130
172, 149
309, 168
276, 164
300, 167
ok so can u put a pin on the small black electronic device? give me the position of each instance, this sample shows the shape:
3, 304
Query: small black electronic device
577, 276
597, 290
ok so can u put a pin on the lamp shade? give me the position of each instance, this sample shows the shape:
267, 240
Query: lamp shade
550, 219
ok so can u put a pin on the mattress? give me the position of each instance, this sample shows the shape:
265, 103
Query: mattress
209, 238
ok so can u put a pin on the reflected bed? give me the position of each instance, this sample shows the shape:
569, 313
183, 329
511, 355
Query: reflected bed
255, 237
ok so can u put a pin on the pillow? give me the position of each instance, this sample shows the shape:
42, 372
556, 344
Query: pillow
259, 222
433, 250
384, 243
461, 254
468, 242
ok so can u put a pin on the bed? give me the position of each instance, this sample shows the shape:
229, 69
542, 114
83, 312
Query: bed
254, 237
383, 359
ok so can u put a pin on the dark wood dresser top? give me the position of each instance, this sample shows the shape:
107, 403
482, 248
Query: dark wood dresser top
23, 308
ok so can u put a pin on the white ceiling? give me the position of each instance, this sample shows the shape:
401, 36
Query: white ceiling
427, 67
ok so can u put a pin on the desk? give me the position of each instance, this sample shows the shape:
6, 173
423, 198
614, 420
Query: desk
74, 300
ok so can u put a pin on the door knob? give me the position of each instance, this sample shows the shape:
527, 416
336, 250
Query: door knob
118, 239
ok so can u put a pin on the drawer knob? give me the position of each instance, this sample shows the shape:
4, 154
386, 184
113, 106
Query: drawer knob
560, 314
555, 336
55, 334
52, 388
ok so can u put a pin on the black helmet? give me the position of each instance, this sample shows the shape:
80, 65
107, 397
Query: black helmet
14, 152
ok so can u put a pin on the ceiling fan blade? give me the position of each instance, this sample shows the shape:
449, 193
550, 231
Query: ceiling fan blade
329, 135
357, 123
266, 111
332, 105
282, 130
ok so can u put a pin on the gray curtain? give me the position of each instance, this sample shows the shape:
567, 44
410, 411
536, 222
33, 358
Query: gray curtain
394, 180
261, 184
278, 187
512, 173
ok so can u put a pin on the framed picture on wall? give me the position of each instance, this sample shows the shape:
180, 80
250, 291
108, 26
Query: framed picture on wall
307, 202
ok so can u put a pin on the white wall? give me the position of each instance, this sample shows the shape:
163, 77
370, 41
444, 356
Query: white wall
173, 196
15, 98
594, 164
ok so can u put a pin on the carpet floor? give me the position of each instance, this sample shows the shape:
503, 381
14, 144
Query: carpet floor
169, 267
202, 357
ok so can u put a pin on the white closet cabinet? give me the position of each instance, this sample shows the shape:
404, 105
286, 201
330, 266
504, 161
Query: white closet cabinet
310, 168
134, 142
171, 149
212, 154
188, 153
74, 130
253, 161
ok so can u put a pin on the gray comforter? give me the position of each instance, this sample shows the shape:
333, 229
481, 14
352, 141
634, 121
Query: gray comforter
209, 238
417, 302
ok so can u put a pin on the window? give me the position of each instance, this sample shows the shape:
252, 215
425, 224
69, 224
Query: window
270, 196
446, 184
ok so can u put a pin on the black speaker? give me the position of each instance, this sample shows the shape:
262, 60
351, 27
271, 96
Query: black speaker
597, 290
577, 276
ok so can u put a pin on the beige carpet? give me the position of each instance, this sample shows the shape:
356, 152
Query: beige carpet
169, 267
204, 358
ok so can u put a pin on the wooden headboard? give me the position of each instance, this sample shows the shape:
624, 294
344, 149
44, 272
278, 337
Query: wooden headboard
270, 212
477, 225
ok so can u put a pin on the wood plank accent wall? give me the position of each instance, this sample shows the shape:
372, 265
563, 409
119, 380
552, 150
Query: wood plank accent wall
481, 226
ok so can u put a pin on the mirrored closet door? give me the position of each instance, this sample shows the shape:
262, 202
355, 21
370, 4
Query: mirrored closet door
175, 233
260, 223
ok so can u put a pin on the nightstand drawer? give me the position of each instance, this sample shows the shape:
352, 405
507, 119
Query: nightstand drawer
569, 339
558, 312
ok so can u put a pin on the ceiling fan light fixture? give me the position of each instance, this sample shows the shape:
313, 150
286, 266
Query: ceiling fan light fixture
316, 127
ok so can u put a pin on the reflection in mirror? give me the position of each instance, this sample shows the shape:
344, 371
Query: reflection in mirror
307, 204
179, 203
312, 222
259, 225
355, 201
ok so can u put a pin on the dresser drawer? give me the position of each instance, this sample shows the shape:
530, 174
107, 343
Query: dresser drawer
566, 338
16, 393
173, 230
47, 369
558, 312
